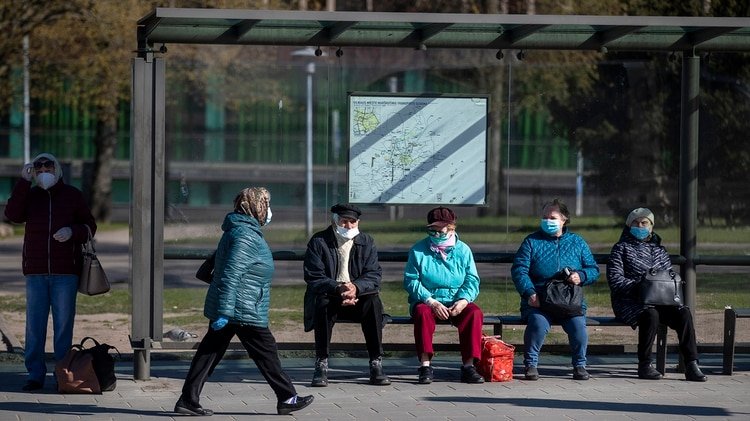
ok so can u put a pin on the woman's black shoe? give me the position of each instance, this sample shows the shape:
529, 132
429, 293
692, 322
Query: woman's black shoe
469, 375
31, 386
648, 372
425, 374
287, 408
693, 373
182, 407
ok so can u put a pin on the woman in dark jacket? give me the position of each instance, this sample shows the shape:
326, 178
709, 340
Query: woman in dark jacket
237, 304
57, 222
638, 250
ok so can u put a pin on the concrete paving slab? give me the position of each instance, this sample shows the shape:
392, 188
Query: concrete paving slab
237, 391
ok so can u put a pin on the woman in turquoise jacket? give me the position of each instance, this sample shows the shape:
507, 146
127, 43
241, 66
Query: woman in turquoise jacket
237, 305
544, 255
442, 282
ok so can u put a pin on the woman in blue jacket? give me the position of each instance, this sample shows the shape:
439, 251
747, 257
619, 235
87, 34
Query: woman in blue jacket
237, 304
543, 256
442, 282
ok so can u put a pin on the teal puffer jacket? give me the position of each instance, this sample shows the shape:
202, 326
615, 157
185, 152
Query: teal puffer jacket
427, 275
243, 270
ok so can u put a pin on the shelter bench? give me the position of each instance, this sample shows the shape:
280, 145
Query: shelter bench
497, 323
730, 321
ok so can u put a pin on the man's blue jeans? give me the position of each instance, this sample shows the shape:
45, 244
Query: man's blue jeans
537, 327
45, 292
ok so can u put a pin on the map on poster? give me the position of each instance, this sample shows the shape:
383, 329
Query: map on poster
426, 149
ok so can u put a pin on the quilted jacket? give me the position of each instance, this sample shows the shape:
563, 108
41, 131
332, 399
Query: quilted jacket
243, 270
45, 212
541, 256
427, 275
629, 260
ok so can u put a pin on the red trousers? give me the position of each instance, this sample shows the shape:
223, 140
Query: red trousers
469, 324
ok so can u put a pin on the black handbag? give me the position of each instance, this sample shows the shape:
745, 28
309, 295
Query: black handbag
206, 272
93, 280
561, 299
661, 287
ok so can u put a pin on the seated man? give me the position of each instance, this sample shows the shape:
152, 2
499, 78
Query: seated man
343, 280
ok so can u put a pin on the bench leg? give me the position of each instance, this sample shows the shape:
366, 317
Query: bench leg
497, 330
730, 320
661, 349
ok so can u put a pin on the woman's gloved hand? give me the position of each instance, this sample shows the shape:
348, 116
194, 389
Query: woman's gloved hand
27, 171
63, 234
219, 323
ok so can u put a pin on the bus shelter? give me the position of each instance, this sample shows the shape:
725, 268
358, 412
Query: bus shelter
692, 36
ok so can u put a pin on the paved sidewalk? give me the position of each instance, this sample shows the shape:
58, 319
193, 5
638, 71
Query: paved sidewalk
236, 391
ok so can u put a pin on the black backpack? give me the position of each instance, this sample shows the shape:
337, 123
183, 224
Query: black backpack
104, 363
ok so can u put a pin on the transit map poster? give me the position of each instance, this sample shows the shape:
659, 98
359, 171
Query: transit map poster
417, 149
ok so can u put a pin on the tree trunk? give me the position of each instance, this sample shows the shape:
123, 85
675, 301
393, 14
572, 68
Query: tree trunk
105, 140
495, 178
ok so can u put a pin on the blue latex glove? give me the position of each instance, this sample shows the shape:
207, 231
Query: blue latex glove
219, 323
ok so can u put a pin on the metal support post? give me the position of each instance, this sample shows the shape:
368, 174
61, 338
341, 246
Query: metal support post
147, 209
689, 171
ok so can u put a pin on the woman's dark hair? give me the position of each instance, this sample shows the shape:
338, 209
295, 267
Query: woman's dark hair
561, 206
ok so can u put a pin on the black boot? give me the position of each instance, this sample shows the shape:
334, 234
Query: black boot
693, 373
320, 376
377, 376
647, 371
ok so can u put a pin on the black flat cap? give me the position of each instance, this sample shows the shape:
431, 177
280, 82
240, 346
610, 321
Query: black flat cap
346, 210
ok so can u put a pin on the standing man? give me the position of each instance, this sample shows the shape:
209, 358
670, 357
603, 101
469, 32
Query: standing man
343, 280
57, 221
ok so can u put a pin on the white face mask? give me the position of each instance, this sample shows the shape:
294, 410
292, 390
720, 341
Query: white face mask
347, 233
268, 216
46, 180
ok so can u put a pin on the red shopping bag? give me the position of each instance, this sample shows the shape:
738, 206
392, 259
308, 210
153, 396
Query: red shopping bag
496, 364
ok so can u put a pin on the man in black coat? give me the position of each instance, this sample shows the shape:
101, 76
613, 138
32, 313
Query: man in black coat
343, 281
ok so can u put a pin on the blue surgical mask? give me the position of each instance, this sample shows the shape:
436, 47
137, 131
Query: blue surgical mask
550, 226
268, 216
640, 233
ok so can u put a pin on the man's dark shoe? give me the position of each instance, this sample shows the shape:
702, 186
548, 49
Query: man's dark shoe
425, 374
648, 372
580, 373
320, 377
31, 386
693, 373
531, 373
287, 408
469, 375
182, 407
377, 376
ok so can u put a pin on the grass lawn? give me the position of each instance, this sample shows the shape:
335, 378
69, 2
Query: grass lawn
498, 296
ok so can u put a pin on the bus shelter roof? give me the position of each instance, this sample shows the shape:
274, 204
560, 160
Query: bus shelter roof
443, 30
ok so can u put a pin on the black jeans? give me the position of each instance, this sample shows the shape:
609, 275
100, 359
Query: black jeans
677, 318
368, 311
261, 347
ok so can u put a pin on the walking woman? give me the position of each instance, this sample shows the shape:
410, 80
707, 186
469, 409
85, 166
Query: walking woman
237, 305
